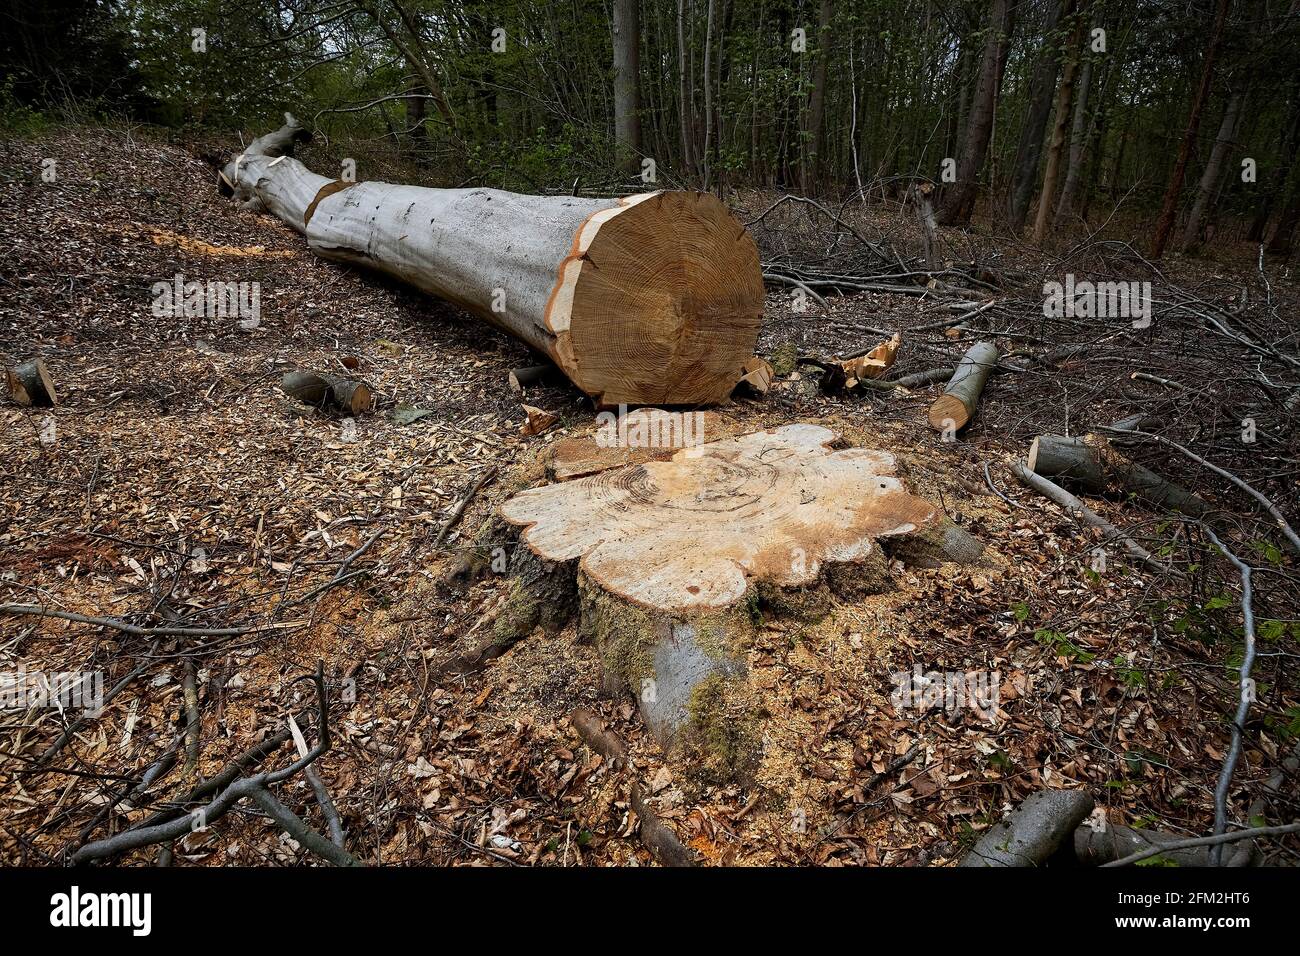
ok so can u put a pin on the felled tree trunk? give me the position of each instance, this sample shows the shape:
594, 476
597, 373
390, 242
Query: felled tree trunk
652, 299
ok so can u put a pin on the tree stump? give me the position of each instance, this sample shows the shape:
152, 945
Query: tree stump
675, 558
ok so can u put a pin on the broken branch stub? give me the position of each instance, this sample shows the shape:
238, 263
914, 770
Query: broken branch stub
650, 299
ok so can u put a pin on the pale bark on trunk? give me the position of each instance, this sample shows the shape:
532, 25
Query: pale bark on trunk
627, 84
1055, 152
651, 299
686, 110
1209, 185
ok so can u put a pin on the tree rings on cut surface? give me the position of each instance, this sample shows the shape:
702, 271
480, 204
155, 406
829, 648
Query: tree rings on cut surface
690, 532
677, 557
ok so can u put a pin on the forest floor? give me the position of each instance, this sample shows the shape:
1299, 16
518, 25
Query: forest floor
175, 482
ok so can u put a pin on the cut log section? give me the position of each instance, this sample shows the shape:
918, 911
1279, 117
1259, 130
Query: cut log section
652, 299
672, 557
332, 392
756, 376
30, 384
956, 406
1033, 831
1093, 466
1066, 458
522, 378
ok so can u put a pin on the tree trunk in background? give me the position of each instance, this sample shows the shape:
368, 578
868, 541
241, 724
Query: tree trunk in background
1030, 149
1284, 232
687, 113
959, 202
418, 146
1169, 209
817, 104
1079, 135
711, 27
1207, 190
627, 85
1055, 152
1278, 176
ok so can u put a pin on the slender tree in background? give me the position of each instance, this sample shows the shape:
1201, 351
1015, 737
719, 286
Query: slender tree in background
1208, 188
1079, 136
1030, 149
685, 108
959, 202
1169, 209
711, 27
1055, 151
627, 83
817, 104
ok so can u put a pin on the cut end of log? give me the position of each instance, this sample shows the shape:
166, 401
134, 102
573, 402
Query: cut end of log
948, 411
30, 384
1032, 460
659, 302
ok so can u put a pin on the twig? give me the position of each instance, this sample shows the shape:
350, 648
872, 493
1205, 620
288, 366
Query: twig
1069, 502
459, 511
39, 611
1292, 538
1243, 704
988, 480
797, 283
658, 837
190, 705
255, 788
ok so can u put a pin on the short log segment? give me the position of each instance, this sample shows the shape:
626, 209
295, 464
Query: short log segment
651, 299
675, 556
30, 384
956, 406
1093, 466
1033, 831
333, 392
1071, 459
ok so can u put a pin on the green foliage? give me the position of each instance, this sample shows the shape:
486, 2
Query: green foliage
17, 119
1062, 646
